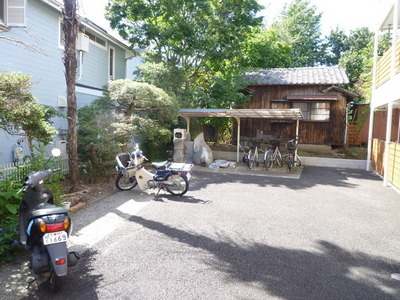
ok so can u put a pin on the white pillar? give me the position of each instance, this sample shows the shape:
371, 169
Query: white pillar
297, 137
238, 140
370, 139
371, 108
387, 142
390, 104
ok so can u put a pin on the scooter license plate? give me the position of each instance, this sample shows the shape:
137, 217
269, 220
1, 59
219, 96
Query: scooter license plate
55, 237
188, 176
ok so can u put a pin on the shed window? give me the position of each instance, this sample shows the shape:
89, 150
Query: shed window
13, 13
314, 111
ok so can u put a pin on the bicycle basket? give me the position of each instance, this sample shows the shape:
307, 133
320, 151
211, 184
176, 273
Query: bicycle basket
275, 143
291, 145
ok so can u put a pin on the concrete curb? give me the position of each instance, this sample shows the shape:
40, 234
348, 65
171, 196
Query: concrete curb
307, 161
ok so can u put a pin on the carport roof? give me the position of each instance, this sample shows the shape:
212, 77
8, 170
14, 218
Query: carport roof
292, 113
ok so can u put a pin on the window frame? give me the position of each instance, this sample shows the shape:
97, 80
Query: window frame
61, 35
111, 63
308, 114
96, 40
9, 18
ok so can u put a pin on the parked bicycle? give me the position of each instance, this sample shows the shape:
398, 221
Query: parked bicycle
252, 157
272, 155
292, 158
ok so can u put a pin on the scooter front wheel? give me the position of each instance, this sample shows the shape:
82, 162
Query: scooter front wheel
179, 185
125, 184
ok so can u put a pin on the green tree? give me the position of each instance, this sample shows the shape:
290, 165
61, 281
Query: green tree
194, 39
141, 109
334, 46
20, 114
263, 50
357, 59
299, 25
96, 142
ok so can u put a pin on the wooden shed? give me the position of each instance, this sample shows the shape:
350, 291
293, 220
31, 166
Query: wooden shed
315, 90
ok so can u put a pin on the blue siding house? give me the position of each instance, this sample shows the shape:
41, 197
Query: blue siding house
31, 42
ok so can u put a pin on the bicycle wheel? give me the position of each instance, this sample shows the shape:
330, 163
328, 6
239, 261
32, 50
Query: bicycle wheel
256, 157
250, 159
245, 158
268, 160
278, 159
290, 162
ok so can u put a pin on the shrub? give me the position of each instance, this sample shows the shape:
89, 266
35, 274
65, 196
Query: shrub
9, 204
10, 200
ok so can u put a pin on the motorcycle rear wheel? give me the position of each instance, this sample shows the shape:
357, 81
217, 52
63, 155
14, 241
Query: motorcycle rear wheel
180, 185
125, 184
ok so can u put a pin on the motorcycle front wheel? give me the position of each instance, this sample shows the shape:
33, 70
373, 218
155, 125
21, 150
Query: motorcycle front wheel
125, 184
179, 187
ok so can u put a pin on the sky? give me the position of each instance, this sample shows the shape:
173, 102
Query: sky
347, 14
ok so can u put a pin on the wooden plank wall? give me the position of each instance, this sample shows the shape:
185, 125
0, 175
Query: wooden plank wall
330, 132
378, 149
377, 159
394, 165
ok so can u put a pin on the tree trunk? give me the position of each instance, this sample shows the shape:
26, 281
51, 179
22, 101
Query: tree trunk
70, 26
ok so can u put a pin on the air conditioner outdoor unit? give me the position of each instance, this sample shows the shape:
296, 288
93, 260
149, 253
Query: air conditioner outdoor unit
179, 134
82, 44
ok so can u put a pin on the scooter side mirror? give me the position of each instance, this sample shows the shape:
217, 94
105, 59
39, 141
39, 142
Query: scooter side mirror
55, 152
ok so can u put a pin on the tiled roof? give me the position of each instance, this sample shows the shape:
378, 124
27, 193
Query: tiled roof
311, 75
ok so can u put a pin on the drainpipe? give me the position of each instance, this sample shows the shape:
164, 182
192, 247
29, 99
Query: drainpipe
80, 66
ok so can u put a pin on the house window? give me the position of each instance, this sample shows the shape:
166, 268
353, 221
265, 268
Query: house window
61, 34
111, 63
95, 38
1, 11
314, 111
13, 13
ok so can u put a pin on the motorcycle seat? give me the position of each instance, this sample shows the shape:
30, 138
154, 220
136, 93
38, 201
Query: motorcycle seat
159, 165
45, 209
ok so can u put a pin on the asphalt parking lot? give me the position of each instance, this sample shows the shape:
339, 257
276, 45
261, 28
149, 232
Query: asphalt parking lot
328, 233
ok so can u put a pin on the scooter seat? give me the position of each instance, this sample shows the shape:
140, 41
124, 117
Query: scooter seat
45, 209
159, 165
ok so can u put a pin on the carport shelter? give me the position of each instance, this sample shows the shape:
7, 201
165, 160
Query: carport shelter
237, 114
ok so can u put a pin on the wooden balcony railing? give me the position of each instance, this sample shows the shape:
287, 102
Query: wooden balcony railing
384, 64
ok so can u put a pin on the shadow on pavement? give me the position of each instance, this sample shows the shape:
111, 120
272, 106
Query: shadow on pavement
79, 275
330, 273
310, 176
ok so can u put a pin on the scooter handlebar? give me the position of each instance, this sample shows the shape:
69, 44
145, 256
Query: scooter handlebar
35, 178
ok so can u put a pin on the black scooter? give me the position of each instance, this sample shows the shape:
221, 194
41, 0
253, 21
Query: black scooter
44, 229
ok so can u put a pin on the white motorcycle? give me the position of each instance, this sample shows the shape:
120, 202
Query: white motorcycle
172, 177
